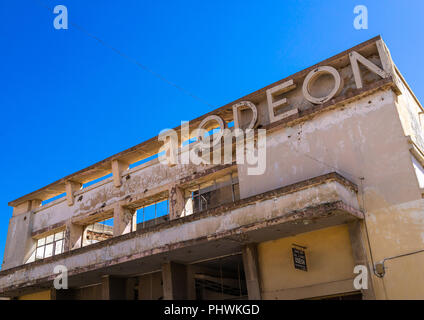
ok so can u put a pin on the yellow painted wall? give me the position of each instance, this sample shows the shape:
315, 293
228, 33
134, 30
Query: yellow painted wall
42, 295
404, 278
329, 260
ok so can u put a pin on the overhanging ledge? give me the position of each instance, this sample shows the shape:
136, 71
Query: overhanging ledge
312, 204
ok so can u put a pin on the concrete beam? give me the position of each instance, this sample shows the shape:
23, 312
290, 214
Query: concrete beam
117, 168
71, 187
26, 207
251, 270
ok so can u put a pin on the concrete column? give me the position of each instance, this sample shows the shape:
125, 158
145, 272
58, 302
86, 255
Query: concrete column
176, 202
191, 283
124, 220
130, 288
117, 168
359, 253
172, 151
251, 270
71, 187
73, 236
150, 286
19, 242
174, 277
114, 288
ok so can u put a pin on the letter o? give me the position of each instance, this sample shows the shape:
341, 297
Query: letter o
222, 126
313, 76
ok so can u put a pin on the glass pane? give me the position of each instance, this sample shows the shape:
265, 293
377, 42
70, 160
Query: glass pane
40, 253
58, 248
49, 250
50, 238
58, 236
41, 242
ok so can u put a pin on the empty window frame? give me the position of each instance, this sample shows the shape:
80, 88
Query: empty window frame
48, 246
222, 278
44, 202
211, 194
152, 214
98, 231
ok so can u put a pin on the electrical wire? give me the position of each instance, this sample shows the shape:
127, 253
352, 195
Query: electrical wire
132, 60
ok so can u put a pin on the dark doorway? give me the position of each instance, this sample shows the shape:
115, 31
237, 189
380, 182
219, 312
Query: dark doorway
220, 279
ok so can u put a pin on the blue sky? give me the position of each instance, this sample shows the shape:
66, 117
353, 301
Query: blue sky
68, 102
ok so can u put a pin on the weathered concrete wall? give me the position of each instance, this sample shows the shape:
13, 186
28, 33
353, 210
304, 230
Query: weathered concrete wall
411, 115
364, 139
139, 182
19, 242
135, 246
104, 194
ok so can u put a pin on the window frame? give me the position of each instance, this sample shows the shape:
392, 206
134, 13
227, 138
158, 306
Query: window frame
41, 242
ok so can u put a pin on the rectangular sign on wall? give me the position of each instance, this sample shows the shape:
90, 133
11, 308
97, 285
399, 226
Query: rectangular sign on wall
299, 259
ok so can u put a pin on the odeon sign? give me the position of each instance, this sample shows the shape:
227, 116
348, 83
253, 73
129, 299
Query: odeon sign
308, 81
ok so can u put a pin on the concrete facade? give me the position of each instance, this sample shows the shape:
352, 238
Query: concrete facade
343, 181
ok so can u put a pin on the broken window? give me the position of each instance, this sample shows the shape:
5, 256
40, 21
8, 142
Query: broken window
98, 231
211, 194
152, 214
48, 246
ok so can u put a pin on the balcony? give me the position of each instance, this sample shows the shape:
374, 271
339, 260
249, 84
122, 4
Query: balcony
305, 206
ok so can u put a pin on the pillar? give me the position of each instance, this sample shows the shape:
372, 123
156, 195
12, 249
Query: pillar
150, 286
73, 236
19, 242
124, 220
359, 253
114, 288
176, 202
191, 283
174, 277
117, 168
251, 270
71, 187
